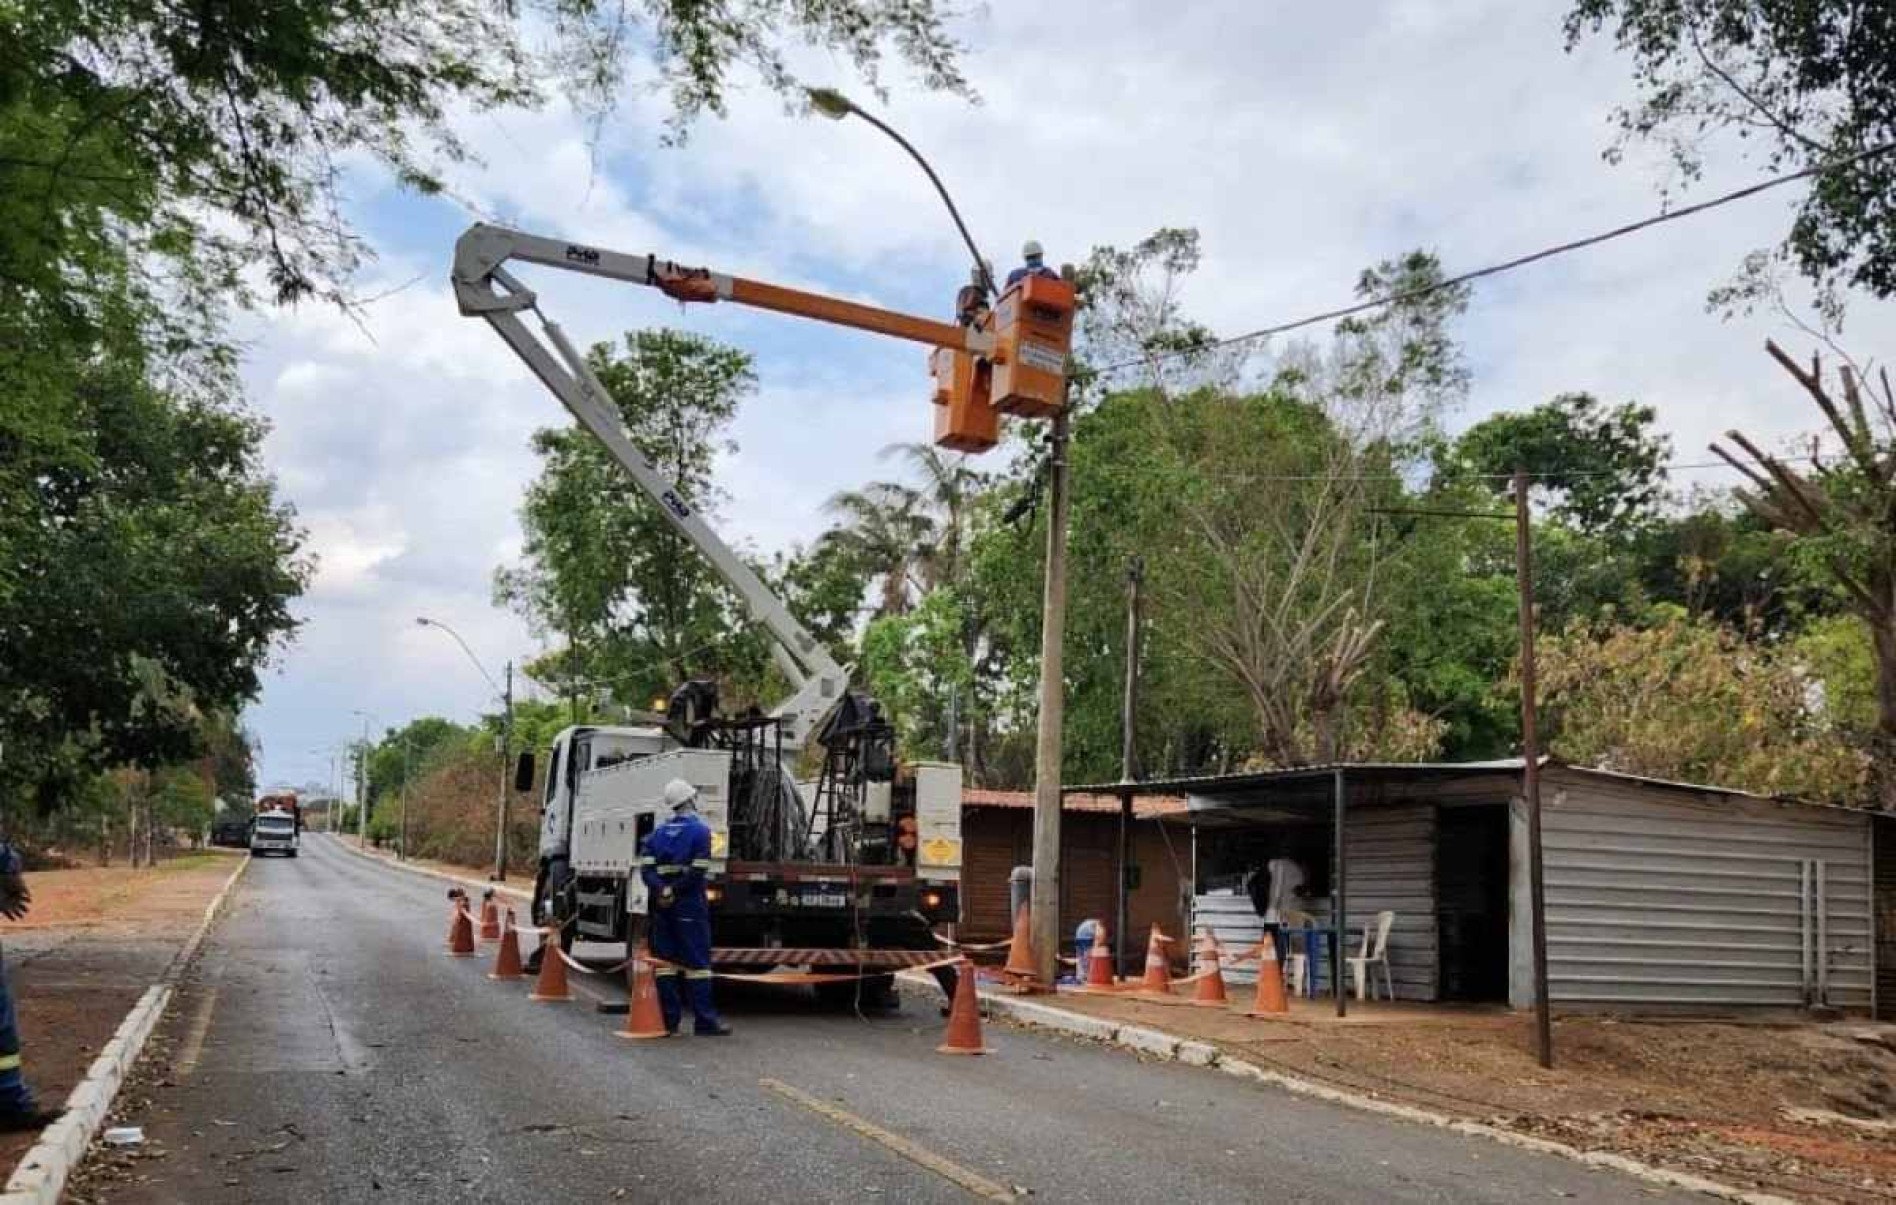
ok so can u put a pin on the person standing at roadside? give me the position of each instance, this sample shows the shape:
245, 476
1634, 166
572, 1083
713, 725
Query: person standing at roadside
18, 1110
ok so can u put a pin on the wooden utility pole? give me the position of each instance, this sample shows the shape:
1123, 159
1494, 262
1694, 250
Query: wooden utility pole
1128, 761
1530, 772
1045, 910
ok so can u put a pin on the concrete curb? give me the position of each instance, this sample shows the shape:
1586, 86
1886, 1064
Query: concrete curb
443, 876
40, 1176
1156, 1043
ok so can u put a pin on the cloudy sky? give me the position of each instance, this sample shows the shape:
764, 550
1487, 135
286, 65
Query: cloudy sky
1303, 143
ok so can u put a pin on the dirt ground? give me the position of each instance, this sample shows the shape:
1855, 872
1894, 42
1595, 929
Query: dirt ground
93, 942
1800, 1108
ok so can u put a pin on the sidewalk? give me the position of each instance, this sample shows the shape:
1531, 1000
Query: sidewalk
94, 941
1798, 1108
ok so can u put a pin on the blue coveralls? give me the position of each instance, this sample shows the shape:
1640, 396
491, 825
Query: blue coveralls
677, 855
15, 1096
1026, 270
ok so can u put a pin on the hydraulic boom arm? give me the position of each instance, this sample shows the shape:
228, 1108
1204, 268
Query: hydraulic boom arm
484, 288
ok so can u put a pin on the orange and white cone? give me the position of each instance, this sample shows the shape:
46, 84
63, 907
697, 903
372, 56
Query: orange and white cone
1099, 964
643, 1017
1021, 964
507, 959
1210, 990
490, 916
1270, 1000
1158, 972
551, 985
460, 925
964, 1018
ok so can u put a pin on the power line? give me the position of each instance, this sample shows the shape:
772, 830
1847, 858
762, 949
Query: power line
1563, 474
1671, 215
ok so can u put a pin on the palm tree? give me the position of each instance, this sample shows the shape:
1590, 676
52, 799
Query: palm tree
948, 490
883, 525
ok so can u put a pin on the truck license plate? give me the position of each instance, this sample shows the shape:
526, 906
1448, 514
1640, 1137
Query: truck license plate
822, 899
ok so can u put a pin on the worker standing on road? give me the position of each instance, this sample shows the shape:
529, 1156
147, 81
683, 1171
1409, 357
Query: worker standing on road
673, 863
18, 1110
1034, 264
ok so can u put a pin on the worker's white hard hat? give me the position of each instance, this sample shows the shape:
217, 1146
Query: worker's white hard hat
679, 793
1031, 249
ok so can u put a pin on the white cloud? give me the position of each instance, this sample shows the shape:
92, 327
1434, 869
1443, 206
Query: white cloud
1304, 145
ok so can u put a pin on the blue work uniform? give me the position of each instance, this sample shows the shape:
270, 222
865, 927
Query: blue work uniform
15, 1096
678, 855
1025, 270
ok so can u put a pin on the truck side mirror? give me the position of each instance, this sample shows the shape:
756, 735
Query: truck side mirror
523, 772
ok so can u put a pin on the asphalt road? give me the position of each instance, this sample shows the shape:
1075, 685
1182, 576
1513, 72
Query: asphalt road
326, 1049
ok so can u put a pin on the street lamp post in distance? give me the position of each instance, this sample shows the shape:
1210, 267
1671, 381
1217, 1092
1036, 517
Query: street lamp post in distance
505, 695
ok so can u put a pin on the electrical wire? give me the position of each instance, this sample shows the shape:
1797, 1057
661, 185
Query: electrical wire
1520, 261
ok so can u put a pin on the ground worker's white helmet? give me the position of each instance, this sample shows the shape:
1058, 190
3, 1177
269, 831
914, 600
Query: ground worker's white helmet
1031, 249
679, 794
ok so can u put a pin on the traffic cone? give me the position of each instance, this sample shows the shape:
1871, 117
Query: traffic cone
1099, 964
490, 916
1158, 972
1270, 1000
643, 1017
507, 961
1021, 963
1210, 992
460, 925
551, 985
964, 1019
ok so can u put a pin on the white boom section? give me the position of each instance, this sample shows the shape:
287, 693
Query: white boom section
484, 288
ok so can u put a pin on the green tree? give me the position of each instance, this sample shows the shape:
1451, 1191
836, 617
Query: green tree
1602, 466
216, 136
1689, 700
1811, 83
149, 570
602, 568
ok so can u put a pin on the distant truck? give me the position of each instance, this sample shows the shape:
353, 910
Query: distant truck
274, 833
282, 801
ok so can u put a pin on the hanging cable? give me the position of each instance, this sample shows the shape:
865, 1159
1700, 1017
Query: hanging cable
1592, 240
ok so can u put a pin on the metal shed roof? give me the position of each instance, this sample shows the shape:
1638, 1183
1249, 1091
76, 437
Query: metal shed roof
1214, 786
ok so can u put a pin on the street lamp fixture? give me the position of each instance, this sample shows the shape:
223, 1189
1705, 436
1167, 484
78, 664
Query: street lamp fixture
505, 695
835, 106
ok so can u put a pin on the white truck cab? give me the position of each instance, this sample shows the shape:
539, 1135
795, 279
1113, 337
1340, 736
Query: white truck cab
273, 833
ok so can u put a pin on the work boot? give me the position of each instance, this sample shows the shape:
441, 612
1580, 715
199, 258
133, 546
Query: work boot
27, 1121
717, 1029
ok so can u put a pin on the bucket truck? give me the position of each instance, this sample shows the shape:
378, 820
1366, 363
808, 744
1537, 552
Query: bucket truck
854, 869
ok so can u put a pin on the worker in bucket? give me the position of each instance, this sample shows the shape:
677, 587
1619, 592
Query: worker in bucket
673, 863
18, 1110
1033, 264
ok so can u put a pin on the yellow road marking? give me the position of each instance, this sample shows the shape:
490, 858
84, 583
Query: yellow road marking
193, 1048
975, 1183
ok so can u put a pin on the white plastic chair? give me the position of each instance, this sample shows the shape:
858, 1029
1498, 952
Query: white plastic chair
1375, 950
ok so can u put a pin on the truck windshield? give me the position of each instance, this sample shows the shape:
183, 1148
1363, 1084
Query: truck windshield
274, 824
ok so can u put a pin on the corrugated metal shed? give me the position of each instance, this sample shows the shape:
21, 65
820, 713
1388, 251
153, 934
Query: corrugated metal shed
1883, 904
1659, 893
1655, 898
1392, 866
